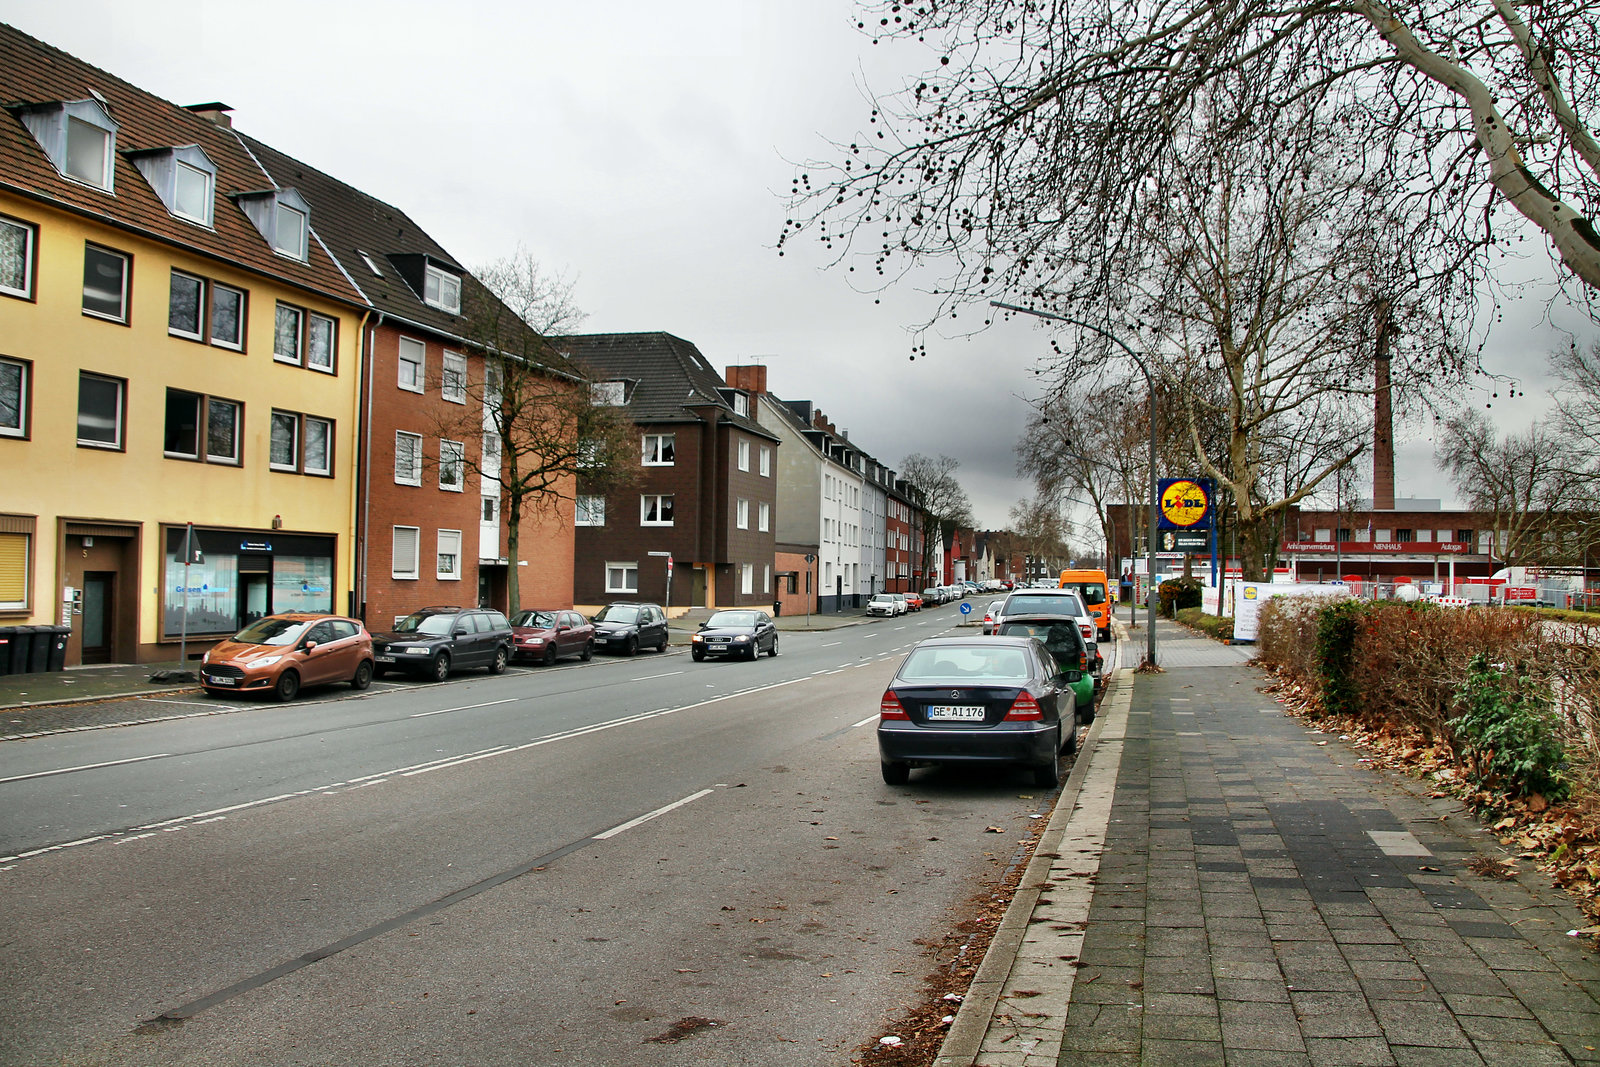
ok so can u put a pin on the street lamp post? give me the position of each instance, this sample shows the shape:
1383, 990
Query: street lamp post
1150, 529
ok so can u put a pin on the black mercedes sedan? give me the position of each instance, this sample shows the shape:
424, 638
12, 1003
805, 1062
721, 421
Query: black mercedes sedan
737, 634
977, 700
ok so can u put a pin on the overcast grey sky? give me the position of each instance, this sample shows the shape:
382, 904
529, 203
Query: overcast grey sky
643, 148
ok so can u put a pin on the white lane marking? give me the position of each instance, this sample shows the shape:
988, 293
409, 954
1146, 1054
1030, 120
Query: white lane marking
647, 816
863, 722
374, 779
83, 767
464, 707
899, 627
830, 644
650, 677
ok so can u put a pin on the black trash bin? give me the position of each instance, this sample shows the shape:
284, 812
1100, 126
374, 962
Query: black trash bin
57, 654
39, 649
7, 635
21, 644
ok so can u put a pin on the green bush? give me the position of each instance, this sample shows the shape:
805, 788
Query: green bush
1179, 593
1338, 625
1508, 730
1210, 625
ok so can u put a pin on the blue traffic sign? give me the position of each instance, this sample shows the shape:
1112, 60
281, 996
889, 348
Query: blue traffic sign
966, 609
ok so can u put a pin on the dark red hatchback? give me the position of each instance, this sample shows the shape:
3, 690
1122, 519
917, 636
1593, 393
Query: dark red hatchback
546, 636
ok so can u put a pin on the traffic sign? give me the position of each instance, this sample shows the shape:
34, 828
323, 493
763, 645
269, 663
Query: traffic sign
966, 609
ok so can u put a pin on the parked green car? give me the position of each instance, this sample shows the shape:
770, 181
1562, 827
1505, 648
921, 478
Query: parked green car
1064, 639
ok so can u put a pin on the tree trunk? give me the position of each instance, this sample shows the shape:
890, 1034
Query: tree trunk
513, 539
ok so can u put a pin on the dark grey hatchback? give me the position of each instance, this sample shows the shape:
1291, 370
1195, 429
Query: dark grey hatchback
432, 642
977, 700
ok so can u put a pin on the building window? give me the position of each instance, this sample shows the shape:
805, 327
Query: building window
744, 455
655, 509
1323, 536
88, 153
608, 394
1464, 537
285, 445
766, 578
449, 566
766, 462
191, 193
101, 409
16, 258
320, 331
660, 449
16, 569
407, 458
15, 381
318, 445
491, 509
1342, 534
452, 457
286, 334
184, 429
227, 317
372, 264
453, 386
763, 516
741, 517
403, 560
747, 578
105, 284
413, 364
741, 406
622, 577
289, 231
590, 510
185, 313
442, 290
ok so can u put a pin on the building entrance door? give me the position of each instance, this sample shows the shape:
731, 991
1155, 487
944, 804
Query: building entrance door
99, 611
253, 591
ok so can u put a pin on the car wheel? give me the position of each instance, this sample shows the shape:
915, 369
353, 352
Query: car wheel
896, 773
632, 647
588, 651
773, 651
1047, 775
288, 686
550, 656
697, 654
662, 647
440, 667
498, 664
363, 676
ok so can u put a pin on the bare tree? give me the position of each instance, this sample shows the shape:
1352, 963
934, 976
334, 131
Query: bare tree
1578, 399
1535, 486
944, 502
530, 423
1038, 529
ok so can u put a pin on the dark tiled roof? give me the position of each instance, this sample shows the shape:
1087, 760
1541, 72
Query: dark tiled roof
669, 376
351, 222
32, 72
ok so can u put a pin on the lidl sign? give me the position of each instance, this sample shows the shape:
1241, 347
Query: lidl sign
1185, 504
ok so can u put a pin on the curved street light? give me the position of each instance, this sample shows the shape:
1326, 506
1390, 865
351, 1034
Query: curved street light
1150, 529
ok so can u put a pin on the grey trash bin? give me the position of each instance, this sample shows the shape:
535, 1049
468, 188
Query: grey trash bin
57, 653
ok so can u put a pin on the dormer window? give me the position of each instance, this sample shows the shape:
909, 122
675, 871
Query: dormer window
608, 394
442, 290
79, 137
184, 178
284, 219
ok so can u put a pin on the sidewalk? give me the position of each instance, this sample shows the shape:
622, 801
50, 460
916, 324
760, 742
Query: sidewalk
1221, 884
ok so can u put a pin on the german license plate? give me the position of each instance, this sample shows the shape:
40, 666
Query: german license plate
955, 713
381, 658
214, 680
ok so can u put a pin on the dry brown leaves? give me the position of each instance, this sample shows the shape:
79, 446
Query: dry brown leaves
1562, 840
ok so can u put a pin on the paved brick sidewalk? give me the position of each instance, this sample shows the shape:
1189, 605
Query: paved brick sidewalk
1259, 896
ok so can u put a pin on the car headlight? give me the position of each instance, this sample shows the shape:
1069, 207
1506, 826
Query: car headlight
266, 661
742, 637
695, 639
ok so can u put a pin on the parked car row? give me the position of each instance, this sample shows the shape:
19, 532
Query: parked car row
282, 654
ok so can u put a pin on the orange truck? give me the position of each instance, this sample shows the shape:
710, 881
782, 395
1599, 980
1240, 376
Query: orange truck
1091, 587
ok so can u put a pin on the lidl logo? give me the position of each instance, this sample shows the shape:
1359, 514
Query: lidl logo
1249, 592
1185, 503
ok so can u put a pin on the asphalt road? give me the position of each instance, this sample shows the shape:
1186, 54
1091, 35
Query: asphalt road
640, 860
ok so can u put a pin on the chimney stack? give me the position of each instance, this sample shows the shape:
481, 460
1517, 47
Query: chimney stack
213, 112
1382, 419
752, 378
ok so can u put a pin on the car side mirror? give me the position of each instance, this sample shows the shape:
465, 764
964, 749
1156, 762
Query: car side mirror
1073, 676
309, 646
459, 631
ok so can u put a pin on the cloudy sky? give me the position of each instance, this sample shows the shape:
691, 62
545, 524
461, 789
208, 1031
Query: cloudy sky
643, 149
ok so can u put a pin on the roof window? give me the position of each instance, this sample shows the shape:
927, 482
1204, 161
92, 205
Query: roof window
184, 178
78, 136
283, 217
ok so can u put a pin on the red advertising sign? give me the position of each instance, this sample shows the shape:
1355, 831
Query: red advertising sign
1423, 547
1515, 593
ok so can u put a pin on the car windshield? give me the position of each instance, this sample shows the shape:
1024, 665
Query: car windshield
1060, 636
427, 625
1057, 604
1092, 592
881, 596
272, 631
618, 613
732, 618
966, 663
533, 618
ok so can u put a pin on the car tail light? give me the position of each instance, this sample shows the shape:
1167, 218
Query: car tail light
889, 707
1024, 707
1088, 632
